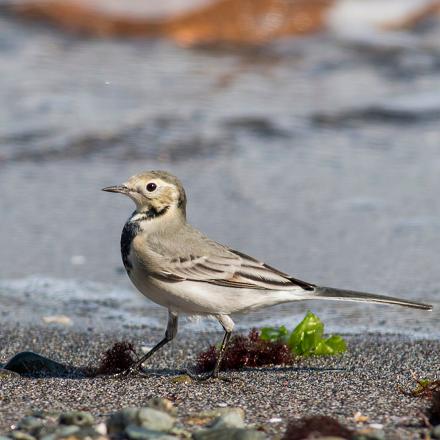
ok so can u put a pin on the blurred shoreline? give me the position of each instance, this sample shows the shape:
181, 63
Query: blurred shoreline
226, 22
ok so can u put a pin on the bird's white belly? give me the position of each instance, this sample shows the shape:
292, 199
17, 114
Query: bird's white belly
202, 298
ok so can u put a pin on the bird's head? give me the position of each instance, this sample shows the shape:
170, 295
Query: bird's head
154, 192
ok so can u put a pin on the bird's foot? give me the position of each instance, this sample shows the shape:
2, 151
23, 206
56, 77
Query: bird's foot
135, 369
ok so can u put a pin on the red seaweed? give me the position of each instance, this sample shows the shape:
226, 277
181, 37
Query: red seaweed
314, 427
246, 351
119, 357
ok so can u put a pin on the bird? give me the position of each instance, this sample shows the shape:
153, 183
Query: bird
178, 267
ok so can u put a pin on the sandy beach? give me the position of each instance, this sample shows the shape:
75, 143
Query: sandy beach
367, 379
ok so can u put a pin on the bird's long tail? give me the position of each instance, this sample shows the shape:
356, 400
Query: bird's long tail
351, 295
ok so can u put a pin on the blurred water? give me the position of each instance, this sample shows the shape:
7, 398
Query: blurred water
318, 155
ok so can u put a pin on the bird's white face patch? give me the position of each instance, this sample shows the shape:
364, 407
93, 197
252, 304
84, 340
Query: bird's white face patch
152, 193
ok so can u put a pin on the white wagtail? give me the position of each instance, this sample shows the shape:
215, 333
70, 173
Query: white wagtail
178, 267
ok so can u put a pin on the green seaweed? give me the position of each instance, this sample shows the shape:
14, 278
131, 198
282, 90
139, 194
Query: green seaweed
425, 387
270, 334
307, 338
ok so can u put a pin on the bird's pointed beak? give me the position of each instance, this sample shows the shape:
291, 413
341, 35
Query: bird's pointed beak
116, 189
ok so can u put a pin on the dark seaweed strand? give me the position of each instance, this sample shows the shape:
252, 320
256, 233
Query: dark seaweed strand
132, 228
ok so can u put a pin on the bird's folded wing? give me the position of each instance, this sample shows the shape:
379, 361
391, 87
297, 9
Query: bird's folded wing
229, 269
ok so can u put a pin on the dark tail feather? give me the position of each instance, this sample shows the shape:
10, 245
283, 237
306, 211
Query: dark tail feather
351, 295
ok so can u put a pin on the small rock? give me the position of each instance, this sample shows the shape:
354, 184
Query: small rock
155, 420
436, 432
29, 362
119, 420
233, 419
5, 374
217, 412
204, 417
182, 378
229, 434
77, 418
48, 433
30, 424
48, 437
180, 432
134, 432
360, 418
66, 431
72, 432
48, 416
83, 433
19, 435
55, 434
369, 434
148, 418
376, 426
162, 404
101, 428
57, 319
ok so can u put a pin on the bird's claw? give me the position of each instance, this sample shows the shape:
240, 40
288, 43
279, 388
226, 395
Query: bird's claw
130, 371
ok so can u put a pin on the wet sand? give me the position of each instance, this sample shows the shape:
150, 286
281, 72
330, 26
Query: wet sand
366, 379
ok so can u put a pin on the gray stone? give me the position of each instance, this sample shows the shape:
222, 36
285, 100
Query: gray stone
86, 433
48, 416
180, 432
2, 437
147, 418
162, 404
51, 436
8, 374
66, 431
229, 434
48, 431
134, 432
28, 362
78, 418
233, 419
370, 434
74, 432
436, 432
30, 424
19, 435
119, 420
155, 420
217, 412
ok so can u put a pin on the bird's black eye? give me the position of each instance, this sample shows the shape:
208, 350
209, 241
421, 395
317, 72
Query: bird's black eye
151, 187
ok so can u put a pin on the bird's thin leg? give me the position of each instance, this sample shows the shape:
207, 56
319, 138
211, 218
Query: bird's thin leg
170, 334
228, 325
225, 341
